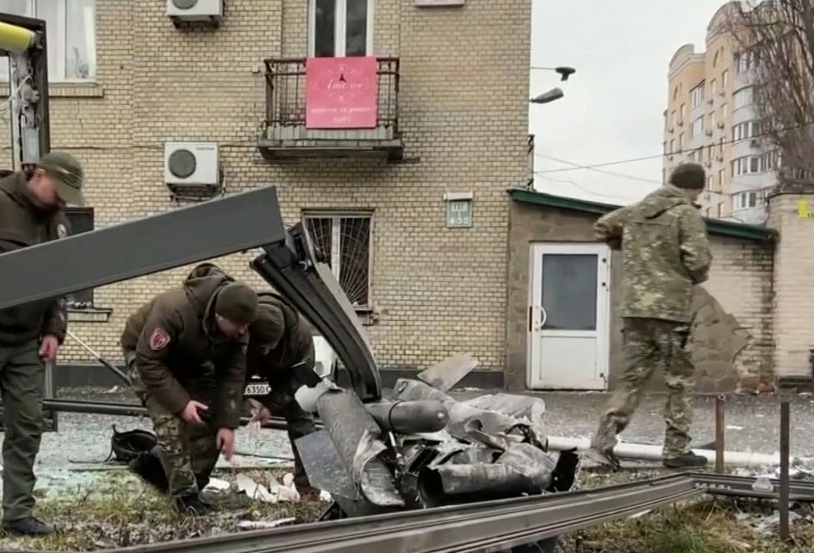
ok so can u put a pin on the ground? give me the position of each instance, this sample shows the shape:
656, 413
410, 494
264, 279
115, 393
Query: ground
100, 506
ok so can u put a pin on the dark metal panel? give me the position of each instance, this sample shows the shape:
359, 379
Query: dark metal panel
141, 247
293, 270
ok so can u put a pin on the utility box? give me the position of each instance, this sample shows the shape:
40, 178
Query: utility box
192, 169
207, 11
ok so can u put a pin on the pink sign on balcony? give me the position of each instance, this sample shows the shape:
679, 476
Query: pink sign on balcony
341, 93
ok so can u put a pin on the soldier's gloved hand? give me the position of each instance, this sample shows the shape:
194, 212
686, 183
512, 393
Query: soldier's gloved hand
226, 442
191, 412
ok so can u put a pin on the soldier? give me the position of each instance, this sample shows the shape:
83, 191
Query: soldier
665, 253
281, 351
31, 212
187, 353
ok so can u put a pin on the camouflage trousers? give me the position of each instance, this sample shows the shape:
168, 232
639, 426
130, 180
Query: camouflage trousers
651, 344
187, 452
300, 423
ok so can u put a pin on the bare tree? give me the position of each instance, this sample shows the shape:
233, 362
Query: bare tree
775, 39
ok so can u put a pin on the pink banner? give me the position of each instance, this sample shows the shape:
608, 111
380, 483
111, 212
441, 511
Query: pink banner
341, 93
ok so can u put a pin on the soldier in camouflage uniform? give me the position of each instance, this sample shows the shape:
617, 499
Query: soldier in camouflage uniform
665, 253
187, 353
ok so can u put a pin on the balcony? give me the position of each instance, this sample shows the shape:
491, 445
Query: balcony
349, 108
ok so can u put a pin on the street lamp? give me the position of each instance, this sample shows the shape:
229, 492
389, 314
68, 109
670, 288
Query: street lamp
550, 96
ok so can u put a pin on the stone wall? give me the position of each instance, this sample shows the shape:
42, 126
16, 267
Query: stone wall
732, 333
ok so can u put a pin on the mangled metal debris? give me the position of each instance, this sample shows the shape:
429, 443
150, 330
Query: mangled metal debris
421, 448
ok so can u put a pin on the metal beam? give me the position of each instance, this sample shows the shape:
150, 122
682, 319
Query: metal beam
141, 247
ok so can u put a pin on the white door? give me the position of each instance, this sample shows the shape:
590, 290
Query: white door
569, 316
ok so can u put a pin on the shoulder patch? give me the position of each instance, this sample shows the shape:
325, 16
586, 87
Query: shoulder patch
159, 339
62, 232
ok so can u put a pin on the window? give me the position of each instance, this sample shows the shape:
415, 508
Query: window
71, 37
742, 97
672, 146
710, 153
724, 112
745, 131
80, 219
721, 178
715, 60
724, 80
697, 95
713, 87
681, 142
721, 146
340, 28
746, 200
746, 165
683, 113
345, 240
697, 127
720, 209
709, 187
711, 121
673, 119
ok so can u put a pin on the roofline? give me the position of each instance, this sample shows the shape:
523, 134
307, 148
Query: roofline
714, 226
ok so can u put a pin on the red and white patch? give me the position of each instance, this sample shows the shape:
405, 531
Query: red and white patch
159, 339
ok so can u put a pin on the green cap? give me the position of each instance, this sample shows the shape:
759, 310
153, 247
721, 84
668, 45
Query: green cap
237, 303
689, 176
68, 176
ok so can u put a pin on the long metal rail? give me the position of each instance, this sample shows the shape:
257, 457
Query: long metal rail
474, 528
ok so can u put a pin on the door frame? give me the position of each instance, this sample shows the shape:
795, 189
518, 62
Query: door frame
603, 308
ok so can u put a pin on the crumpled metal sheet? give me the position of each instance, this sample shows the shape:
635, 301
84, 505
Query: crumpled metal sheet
523, 468
529, 408
355, 435
465, 420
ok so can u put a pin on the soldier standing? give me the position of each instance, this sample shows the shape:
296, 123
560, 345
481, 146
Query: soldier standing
31, 212
187, 353
281, 351
665, 253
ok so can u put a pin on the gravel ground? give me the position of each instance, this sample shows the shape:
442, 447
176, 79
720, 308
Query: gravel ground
73, 456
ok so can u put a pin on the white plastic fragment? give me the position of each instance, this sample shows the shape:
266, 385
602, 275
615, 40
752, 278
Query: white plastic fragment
263, 524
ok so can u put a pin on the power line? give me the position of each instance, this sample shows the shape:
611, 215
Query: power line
645, 158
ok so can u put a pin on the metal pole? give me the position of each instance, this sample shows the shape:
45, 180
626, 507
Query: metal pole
720, 405
784, 467
115, 370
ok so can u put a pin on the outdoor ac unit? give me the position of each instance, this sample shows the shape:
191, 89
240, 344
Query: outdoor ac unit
195, 10
754, 143
191, 165
721, 125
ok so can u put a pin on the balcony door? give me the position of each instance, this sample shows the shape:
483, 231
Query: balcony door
340, 28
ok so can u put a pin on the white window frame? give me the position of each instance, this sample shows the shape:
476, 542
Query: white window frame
61, 32
336, 218
340, 29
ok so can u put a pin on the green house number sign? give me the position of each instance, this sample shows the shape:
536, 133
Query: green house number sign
459, 213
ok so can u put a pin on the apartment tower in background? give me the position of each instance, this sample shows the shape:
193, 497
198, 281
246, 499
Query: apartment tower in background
711, 119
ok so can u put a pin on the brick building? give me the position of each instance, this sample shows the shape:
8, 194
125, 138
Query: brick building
125, 81
131, 91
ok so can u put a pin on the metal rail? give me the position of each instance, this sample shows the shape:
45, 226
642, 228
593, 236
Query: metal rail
474, 528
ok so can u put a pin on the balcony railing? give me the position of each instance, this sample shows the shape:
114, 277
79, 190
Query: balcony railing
286, 132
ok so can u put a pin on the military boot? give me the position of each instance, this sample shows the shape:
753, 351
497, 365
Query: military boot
687, 461
147, 466
28, 527
192, 505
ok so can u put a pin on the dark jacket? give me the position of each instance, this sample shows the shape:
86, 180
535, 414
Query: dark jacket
23, 223
281, 345
175, 336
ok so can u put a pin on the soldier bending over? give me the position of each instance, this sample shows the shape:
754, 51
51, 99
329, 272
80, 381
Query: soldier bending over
187, 353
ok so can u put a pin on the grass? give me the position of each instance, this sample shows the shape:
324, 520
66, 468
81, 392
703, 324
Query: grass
706, 525
119, 511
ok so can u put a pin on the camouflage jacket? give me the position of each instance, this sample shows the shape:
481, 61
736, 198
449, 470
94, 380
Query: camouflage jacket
665, 252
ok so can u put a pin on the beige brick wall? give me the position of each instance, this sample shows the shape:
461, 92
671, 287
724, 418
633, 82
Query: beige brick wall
793, 277
463, 111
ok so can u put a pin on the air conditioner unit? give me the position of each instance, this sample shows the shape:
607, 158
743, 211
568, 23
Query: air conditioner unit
754, 143
711, 99
721, 125
720, 158
195, 10
192, 166
709, 132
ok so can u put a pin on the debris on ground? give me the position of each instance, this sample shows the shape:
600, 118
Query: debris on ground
117, 510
